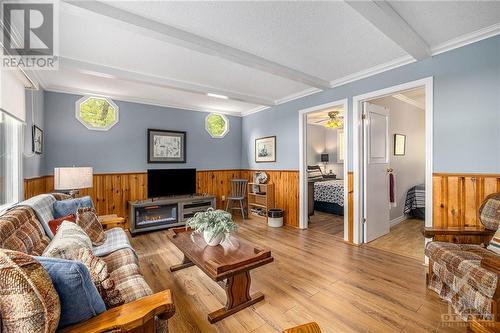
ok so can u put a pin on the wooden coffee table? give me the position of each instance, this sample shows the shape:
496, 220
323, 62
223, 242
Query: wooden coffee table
231, 261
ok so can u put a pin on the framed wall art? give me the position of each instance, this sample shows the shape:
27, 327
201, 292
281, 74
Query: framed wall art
265, 149
399, 144
165, 146
37, 140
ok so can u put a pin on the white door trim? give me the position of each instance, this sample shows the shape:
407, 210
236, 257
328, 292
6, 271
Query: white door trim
303, 218
427, 83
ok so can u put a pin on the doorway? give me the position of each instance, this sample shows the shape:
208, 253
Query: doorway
393, 167
323, 169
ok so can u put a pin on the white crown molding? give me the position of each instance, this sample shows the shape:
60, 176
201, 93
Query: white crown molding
409, 100
373, 71
467, 39
66, 90
298, 95
255, 110
320, 124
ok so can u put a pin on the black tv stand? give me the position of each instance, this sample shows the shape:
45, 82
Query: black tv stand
166, 212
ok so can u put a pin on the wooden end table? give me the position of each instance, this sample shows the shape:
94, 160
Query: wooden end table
112, 221
231, 261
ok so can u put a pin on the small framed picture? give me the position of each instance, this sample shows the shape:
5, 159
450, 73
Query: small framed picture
399, 144
265, 149
166, 146
37, 140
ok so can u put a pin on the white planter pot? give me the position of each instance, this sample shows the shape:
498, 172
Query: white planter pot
207, 235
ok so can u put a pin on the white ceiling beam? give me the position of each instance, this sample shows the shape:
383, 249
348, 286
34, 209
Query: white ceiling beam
391, 24
113, 72
192, 41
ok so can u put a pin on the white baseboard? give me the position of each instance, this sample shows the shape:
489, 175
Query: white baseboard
398, 220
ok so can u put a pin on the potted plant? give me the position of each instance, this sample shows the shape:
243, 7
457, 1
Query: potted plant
215, 225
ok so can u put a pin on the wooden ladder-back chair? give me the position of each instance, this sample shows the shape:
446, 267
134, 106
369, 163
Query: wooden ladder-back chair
238, 192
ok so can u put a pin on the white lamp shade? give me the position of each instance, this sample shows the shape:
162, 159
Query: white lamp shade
74, 178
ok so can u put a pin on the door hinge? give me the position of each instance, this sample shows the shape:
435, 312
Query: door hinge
364, 220
363, 116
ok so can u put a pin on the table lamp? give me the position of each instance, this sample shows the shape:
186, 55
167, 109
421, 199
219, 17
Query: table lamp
325, 159
72, 179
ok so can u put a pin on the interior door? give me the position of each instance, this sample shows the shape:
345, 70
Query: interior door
376, 163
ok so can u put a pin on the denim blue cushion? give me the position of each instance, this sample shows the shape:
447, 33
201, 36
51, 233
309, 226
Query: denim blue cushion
70, 206
79, 297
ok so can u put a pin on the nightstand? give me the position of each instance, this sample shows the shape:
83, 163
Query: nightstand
112, 221
329, 176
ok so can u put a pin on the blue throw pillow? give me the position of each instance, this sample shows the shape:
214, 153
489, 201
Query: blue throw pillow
79, 297
70, 206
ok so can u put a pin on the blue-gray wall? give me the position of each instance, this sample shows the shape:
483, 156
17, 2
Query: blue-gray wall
33, 164
466, 123
124, 147
466, 111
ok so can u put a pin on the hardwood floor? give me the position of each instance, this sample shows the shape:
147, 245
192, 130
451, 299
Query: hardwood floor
405, 239
327, 223
315, 277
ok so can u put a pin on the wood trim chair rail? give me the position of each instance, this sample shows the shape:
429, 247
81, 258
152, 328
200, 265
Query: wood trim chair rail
473, 231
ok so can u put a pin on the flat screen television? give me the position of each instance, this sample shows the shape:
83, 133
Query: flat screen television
166, 182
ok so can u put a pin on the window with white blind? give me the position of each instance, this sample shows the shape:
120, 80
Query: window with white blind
11, 140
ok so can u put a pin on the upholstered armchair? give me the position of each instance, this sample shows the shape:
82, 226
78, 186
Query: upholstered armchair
464, 264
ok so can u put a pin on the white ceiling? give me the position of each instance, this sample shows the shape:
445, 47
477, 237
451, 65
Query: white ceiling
257, 53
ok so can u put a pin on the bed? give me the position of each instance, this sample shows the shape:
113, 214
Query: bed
415, 202
329, 196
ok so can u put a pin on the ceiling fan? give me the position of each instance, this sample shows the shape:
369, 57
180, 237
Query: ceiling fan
334, 120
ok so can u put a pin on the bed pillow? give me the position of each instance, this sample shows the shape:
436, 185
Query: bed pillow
314, 173
28, 299
70, 206
78, 295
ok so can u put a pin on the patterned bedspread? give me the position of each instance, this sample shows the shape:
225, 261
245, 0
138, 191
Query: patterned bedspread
331, 191
415, 198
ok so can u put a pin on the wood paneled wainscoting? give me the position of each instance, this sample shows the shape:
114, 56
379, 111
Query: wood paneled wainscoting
458, 197
112, 191
286, 192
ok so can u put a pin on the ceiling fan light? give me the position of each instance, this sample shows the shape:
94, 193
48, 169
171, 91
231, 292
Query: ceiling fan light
334, 122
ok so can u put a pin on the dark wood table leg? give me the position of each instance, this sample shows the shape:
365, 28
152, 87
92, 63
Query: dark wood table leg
238, 297
185, 264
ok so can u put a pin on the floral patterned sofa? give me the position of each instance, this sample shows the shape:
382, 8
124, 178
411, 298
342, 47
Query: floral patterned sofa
21, 230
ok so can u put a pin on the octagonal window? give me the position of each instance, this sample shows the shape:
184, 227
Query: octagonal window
217, 125
97, 113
